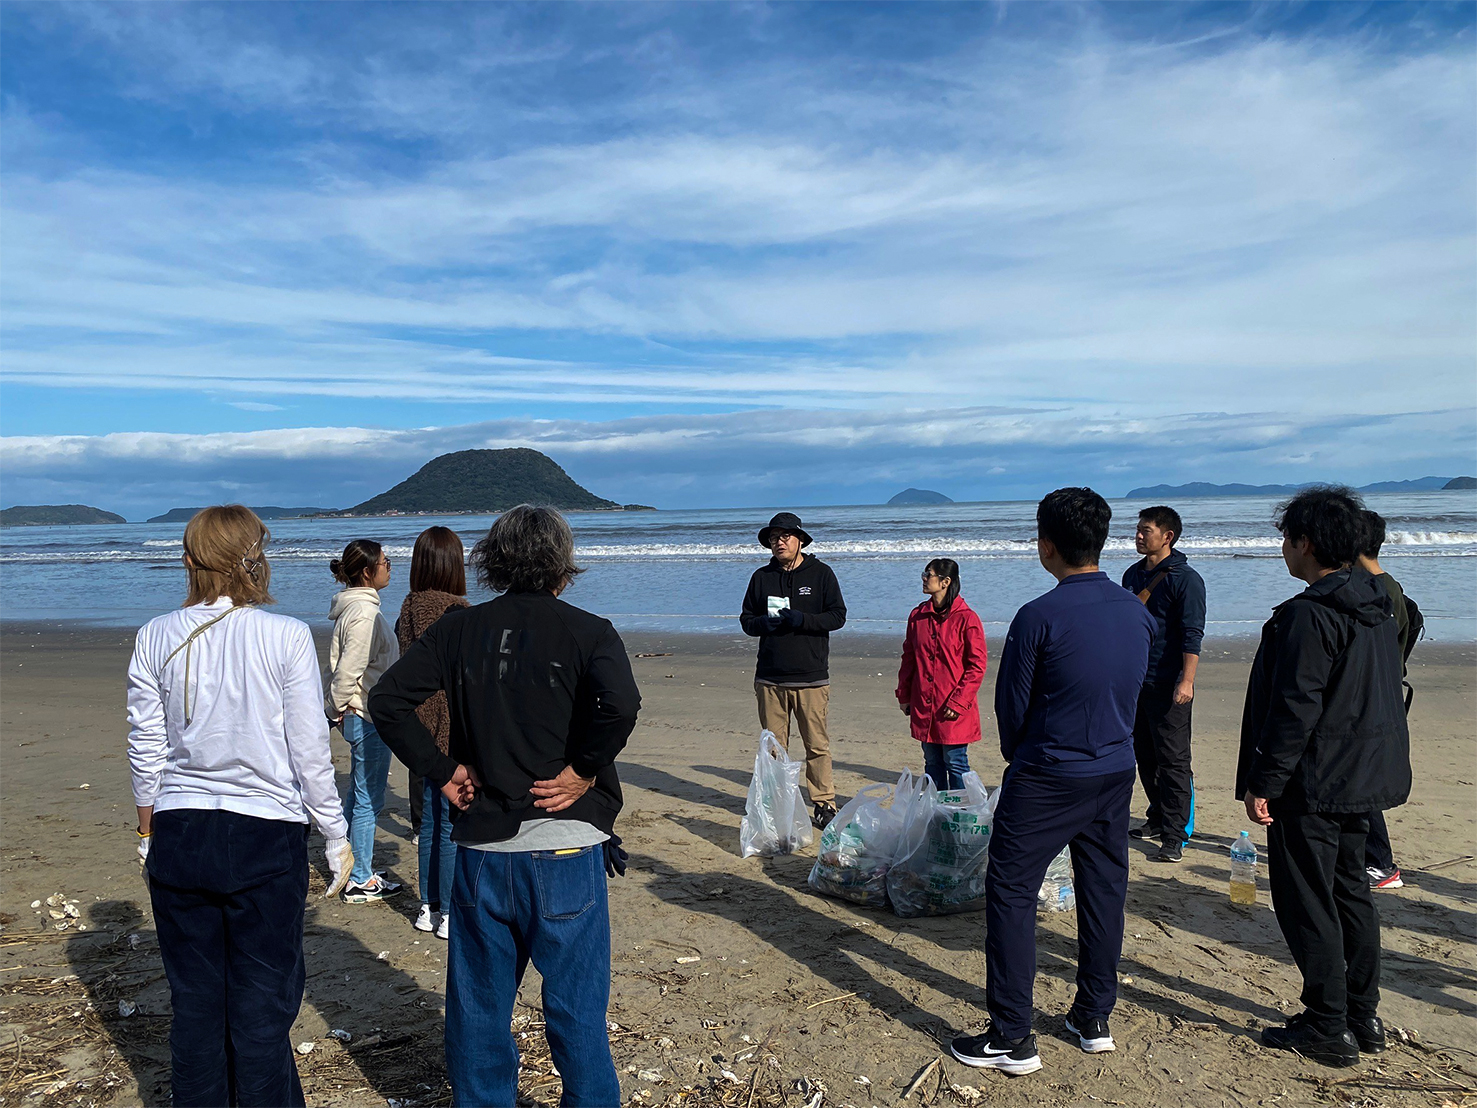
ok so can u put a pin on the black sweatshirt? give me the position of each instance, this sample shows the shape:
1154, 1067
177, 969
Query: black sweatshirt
533, 685
794, 655
1324, 724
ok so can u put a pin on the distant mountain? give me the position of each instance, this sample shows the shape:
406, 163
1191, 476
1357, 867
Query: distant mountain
1420, 484
184, 515
55, 515
920, 496
1204, 488
483, 481
1461, 483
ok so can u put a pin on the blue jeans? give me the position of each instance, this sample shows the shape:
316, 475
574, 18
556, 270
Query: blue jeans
369, 768
507, 909
437, 851
228, 893
946, 764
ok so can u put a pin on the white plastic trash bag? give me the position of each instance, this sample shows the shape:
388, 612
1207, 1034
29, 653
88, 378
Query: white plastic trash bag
857, 847
943, 851
1057, 894
775, 821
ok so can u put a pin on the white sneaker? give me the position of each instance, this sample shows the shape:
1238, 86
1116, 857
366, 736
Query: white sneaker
426, 921
443, 926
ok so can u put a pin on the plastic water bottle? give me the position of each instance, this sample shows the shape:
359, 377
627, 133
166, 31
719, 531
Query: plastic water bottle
1243, 870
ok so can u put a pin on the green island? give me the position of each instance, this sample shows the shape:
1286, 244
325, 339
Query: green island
55, 515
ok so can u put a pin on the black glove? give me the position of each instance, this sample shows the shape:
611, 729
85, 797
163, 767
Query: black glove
791, 618
772, 624
615, 857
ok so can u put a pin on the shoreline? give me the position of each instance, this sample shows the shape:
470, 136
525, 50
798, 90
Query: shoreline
717, 644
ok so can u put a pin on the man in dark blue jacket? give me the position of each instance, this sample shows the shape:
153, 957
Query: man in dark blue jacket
1069, 680
1175, 596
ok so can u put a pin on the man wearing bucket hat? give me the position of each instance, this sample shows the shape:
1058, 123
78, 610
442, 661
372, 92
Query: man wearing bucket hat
792, 605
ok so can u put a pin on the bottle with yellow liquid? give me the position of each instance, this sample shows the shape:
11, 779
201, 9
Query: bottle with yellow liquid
1243, 870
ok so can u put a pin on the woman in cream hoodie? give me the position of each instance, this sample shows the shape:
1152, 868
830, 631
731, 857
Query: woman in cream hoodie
362, 648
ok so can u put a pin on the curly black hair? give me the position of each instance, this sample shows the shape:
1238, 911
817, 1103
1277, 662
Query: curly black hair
1075, 520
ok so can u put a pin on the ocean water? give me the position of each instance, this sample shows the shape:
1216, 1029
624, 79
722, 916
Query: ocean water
686, 571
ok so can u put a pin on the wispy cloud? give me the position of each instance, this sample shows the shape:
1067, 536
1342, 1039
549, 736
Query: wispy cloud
1029, 207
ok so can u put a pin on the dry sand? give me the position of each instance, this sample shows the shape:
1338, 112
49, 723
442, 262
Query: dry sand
792, 991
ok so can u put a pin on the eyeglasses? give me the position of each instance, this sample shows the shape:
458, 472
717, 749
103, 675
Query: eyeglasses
932, 577
385, 562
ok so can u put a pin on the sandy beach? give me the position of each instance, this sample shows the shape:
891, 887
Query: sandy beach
791, 991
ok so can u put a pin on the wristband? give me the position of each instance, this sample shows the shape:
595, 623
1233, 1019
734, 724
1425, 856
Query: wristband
144, 834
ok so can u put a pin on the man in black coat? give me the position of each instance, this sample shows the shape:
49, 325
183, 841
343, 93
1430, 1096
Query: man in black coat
1324, 743
792, 605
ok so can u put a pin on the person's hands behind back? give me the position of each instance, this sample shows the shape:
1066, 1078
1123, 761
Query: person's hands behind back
559, 793
461, 790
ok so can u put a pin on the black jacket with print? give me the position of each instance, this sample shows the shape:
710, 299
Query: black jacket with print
794, 655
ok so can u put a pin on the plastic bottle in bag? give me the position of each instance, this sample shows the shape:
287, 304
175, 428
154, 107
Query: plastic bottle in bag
1056, 893
1243, 870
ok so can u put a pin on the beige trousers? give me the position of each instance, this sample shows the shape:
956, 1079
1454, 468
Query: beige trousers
809, 708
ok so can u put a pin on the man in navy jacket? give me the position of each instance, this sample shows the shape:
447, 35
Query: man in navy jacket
1069, 681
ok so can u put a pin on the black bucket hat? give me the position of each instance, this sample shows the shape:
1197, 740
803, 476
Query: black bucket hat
785, 521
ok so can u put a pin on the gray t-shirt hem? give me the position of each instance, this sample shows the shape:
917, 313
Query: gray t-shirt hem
545, 834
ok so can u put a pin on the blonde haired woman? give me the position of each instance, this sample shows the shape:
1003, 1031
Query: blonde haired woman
229, 753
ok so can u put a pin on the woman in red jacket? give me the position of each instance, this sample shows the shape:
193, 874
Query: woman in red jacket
939, 680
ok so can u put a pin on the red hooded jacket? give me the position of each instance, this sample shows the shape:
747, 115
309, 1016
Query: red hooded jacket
943, 667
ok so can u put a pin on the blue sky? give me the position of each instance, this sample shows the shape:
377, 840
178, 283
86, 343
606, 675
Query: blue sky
733, 254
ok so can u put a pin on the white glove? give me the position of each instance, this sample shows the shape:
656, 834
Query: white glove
340, 861
143, 852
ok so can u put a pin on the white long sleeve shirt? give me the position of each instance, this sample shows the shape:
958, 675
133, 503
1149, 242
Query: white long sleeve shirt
256, 742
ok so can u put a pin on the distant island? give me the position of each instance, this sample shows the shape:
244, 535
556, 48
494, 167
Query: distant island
1205, 488
55, 515
485, 481
1461, 483
920, 496
184, 515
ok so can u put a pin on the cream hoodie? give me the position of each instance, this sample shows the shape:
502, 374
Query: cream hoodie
362, 648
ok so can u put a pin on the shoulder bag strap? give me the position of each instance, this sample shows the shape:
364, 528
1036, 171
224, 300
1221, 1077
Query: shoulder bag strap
188, 646
1145, 592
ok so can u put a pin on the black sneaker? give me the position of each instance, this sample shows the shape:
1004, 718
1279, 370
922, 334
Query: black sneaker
824, 813
1093, 1035
1369, 1034
1170, 852
994, 1051
1146, 831
1301, 1037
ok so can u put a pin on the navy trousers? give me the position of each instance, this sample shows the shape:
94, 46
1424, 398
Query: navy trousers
1038, 814
229, 893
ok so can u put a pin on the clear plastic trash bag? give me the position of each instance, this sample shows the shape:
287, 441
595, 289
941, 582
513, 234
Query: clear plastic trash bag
943, 851
1057, 894
775, 819
857, 847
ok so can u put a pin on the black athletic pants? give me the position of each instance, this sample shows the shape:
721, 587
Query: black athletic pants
1320, 892
1161, 746
1377, 851
229, 892
1038, 814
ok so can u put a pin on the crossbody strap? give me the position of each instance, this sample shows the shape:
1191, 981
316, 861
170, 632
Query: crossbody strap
1145, 592
188, 646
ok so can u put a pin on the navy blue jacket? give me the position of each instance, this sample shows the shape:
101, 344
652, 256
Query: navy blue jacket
1178, 607
1070, 675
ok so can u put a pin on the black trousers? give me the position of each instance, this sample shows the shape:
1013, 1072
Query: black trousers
1161, 746
1038, 814
417, 801
1320, 892
1378, 853
229, 893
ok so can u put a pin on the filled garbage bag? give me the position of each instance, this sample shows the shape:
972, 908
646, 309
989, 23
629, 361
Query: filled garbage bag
775, 820
943, 851
857, 847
